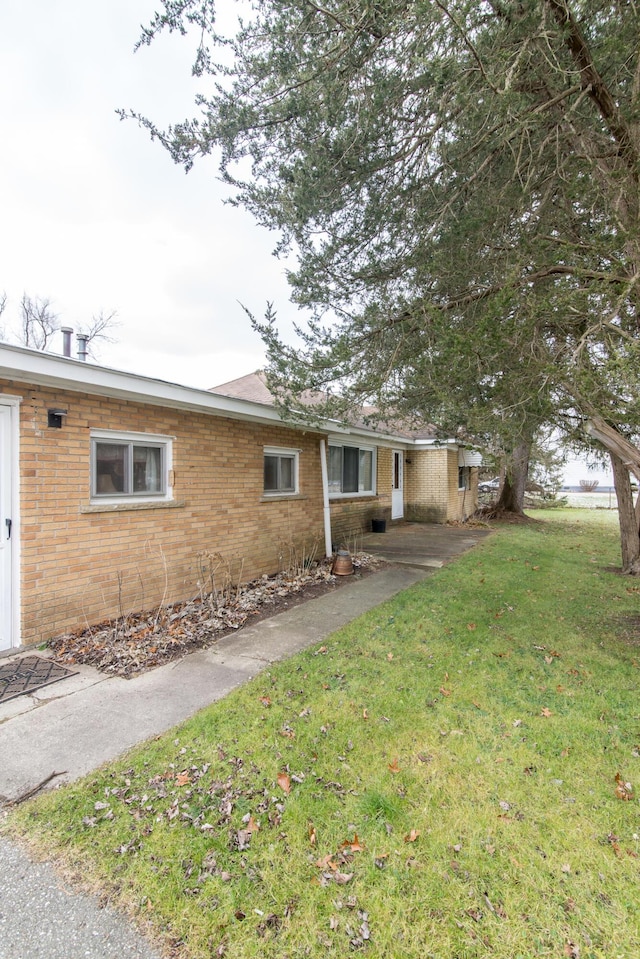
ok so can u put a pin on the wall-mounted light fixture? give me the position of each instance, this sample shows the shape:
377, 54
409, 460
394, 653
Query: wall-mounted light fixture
54, 418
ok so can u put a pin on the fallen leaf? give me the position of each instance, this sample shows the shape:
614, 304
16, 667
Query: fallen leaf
342, 878
266, 702
546, 712
394, 767
353, 845
412, 836
252, 825
389, 656
365, 713
284, 782
548, 660
313, 835
326, 862
623, 790
182, 779
445, 692
471, 626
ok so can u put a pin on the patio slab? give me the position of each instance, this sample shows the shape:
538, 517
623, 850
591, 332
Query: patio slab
422, 545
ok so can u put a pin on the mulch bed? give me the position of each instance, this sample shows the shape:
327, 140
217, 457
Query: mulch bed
141, 641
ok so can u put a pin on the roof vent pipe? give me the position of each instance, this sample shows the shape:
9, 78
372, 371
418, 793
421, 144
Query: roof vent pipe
82, 346
67, 333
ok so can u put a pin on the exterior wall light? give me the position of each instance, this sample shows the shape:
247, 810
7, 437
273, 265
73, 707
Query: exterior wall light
54, 418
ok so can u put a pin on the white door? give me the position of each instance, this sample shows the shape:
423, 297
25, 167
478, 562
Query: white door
397, 486
6, 591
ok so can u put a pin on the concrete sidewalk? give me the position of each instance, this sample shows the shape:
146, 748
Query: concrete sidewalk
79, 723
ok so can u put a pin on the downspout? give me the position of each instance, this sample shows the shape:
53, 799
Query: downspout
325, 500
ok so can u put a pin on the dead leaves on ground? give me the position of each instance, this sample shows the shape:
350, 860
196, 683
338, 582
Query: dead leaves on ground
284, 782
624, 790
139, 641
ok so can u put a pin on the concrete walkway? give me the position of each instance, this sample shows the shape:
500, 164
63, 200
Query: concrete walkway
81, 722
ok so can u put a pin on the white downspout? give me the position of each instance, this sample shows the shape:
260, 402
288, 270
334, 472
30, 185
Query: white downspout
325, 500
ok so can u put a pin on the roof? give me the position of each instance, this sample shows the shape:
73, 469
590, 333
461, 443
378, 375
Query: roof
254, 387
251, 387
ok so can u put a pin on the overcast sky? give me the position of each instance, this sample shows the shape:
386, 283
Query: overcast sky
97, 217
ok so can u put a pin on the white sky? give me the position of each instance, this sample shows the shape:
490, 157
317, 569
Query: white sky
96, 217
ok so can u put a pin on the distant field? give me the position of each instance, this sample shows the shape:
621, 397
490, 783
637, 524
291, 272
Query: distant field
596, 500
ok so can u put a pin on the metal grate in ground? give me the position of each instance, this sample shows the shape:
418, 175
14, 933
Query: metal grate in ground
25, 675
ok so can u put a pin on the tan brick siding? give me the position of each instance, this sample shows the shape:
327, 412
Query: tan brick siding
431, 487
426, 486
81, 567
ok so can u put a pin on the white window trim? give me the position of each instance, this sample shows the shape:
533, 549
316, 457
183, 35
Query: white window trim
365, 448
283, 451
148, 439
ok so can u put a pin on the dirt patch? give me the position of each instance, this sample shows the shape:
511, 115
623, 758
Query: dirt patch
141, 641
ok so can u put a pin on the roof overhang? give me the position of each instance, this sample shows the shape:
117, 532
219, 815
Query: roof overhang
33, 367
45, 369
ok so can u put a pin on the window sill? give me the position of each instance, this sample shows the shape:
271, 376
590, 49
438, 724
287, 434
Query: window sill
278, 497
126, 507
364, 495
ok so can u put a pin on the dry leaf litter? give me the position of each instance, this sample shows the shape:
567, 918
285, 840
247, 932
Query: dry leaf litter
141, 641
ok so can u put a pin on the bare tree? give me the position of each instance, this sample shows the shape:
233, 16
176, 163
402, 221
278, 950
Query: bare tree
38, 321
99, 330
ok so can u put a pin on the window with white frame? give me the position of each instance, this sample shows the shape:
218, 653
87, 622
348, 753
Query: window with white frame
280, 471
351, 470
129, 466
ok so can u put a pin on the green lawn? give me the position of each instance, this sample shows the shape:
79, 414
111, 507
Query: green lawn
443, 778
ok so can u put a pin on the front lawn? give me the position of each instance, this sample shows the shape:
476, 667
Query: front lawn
450, 776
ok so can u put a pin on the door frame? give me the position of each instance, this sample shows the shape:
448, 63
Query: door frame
397, 492
12, 511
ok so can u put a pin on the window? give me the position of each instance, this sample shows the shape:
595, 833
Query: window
351, 470
129, 466
280, 471
464, 477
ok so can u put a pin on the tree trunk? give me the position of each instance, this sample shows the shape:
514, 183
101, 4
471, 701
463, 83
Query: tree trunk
628, 517
511, 497
616, 444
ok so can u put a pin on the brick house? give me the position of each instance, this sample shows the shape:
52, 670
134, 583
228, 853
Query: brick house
116, 490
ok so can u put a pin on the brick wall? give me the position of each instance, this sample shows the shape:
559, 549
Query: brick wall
431, 487
427, 486
82, 565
